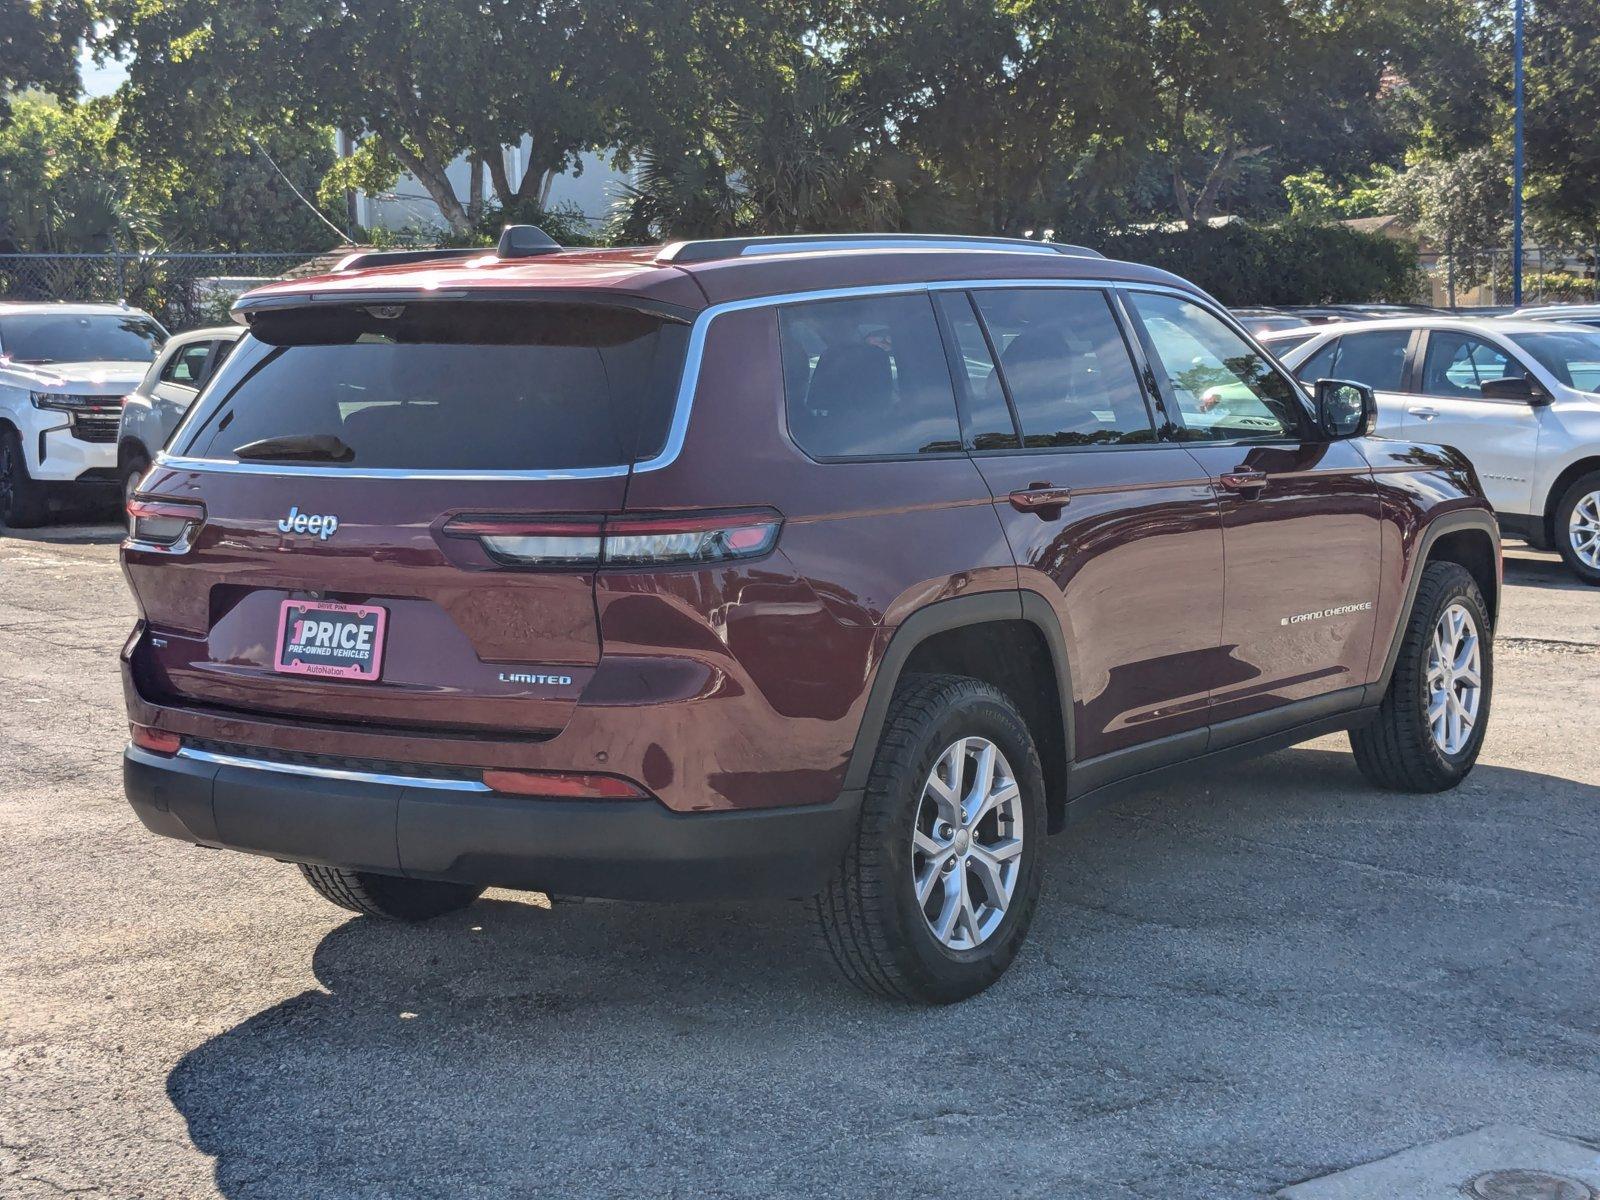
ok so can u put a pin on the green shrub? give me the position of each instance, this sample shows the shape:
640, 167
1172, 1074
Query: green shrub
1292, 263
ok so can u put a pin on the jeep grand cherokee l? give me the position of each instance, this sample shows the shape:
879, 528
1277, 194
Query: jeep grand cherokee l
841, 568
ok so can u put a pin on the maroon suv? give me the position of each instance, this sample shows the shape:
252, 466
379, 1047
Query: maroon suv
832, 567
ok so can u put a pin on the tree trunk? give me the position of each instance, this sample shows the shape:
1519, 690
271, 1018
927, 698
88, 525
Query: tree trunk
475, 187
498, 176
434, 180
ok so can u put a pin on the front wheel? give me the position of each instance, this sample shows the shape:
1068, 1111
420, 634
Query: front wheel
22, 499
1578, 528
937, 889
1430, 726
133, 469
389, 896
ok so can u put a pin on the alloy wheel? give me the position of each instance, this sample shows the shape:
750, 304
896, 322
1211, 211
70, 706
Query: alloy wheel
1455, 679
967, 843
1583, 527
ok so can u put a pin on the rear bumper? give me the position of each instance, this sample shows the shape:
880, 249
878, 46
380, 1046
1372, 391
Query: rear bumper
631, 850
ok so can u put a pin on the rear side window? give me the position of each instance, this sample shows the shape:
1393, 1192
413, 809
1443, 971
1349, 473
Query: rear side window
1377, 359
187, 365
867, 378
1066, 367
440, 385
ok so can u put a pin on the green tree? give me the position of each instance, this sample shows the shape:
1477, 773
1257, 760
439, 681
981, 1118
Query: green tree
39, 46
1461, 205
63, 187
427, 80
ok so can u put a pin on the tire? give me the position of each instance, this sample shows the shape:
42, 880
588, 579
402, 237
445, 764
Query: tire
1402, 749
1578, 525
388, 896
882, 938
23, 504
131, 472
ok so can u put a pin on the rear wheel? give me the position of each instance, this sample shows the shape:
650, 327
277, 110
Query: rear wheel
1578, 528
388, 896
1431, 723
937, 889
22, 499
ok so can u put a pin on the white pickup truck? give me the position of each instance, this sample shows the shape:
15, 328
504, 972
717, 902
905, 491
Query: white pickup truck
64, 369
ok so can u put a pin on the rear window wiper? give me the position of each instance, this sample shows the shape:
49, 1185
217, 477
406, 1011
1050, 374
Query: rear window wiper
312, 447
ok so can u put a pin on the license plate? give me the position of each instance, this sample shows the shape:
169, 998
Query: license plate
344, 641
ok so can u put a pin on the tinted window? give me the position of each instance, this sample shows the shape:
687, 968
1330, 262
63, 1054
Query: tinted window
1377, 359
867, 377
1066, 366
1457, 364
1319, 365
451, 386
983, 400
68, 337
187, 365
1224, 389
1573, 358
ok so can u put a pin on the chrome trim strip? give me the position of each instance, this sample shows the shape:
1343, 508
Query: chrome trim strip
229, 466
258, 764
991, 247
691, 378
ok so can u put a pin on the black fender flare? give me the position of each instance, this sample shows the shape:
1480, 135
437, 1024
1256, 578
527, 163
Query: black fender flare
1460, 521
941, 617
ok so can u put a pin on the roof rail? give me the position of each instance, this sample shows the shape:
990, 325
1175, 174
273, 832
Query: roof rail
395, 258
712, 249
516, 241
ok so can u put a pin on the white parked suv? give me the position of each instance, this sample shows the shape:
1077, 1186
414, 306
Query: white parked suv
153, 409
1521, 398
64, 369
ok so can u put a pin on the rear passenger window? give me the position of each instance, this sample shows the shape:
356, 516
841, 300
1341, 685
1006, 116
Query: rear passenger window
1377, 359
867, 378
1066, 367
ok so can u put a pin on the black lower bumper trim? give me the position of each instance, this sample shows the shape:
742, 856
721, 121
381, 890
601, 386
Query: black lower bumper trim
626, 850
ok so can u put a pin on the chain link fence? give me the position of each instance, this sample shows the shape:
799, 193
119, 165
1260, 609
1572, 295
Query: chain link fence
1483, 276
182, 291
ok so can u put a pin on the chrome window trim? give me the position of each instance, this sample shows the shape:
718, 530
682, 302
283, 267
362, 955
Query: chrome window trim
283, 768
690, 381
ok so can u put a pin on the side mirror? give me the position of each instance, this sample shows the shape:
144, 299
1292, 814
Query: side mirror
1515, 387
1345, 409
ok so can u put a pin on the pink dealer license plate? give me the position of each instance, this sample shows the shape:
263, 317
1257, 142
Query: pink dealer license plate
322, 638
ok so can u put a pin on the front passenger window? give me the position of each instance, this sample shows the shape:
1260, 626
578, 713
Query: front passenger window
1377, 359
1458, 363
1224, 389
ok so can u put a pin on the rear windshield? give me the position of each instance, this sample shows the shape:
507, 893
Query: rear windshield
440, 385
79, 337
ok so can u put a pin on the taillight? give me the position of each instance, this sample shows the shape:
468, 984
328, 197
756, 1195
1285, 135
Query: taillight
621, 541
563, 785
165, 525
157, 741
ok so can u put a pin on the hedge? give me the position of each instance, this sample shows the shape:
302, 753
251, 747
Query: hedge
1292, 263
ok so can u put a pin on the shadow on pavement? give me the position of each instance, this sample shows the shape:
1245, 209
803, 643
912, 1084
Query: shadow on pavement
1275, 973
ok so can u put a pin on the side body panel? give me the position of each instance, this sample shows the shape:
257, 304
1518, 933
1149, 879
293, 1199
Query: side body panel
1132, 567
1303, 573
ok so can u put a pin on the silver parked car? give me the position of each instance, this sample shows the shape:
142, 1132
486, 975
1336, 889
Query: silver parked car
1521, 398
1566, 314
153, 409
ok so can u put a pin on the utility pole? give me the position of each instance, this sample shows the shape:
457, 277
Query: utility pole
1516, 158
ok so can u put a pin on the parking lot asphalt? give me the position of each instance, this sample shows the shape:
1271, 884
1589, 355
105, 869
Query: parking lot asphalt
1266, 975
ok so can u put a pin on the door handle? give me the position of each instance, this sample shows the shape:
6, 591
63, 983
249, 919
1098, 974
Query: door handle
1243, 479
1040, 498
1423, 411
